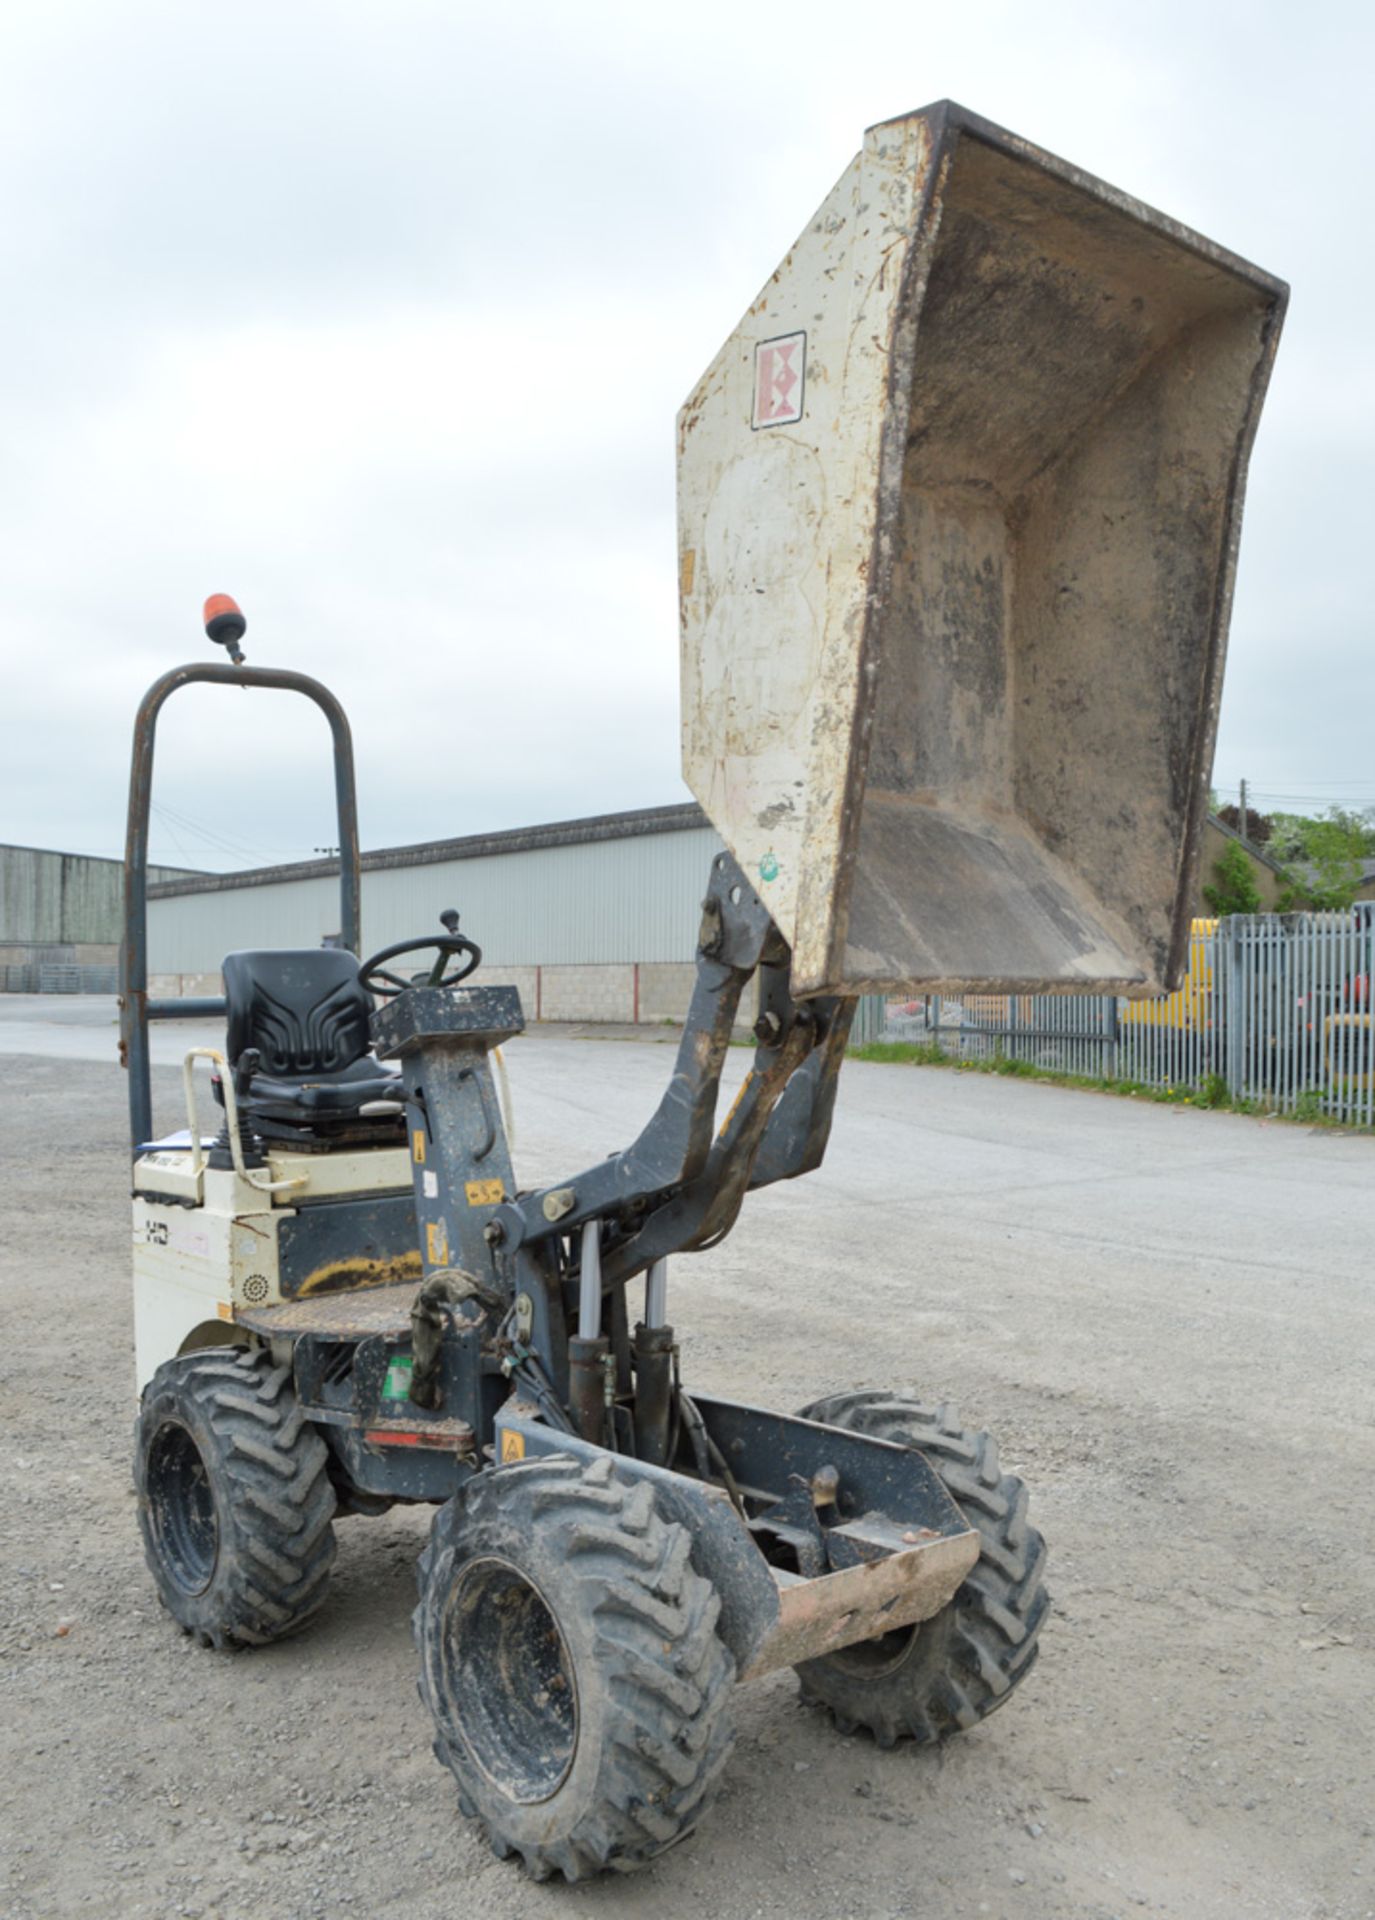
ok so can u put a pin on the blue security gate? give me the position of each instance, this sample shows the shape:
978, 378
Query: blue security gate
1275, 1008
1062, 1032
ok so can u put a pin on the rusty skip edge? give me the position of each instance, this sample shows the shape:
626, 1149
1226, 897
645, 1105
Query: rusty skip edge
1191, 852
949, 120
768, 1620
815, 1617
824, 901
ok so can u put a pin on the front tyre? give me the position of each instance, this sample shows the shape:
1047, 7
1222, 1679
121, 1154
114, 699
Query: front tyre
234, 1498
570, 1658
926, 1682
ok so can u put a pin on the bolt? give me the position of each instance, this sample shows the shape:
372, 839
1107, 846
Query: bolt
825, 1485
561, 1201
768, 1029
494, 1233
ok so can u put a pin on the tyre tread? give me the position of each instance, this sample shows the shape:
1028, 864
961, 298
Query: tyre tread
274, 1501
990, 1628
666, 1673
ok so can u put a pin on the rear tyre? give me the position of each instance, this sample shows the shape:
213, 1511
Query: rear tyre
570, 1658
234, 1498
926, 1682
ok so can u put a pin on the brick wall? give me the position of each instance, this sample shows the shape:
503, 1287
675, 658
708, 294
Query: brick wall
665, 989
184, 986
616, 994
521, 978
598, 993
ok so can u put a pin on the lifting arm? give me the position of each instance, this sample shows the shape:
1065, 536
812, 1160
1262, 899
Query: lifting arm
680, 1186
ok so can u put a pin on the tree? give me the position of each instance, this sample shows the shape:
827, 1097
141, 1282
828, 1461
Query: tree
1292, 834
1335, 849
1258, 825
1323, 857
1234, 889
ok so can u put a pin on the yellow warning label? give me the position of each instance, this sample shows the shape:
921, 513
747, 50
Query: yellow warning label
512, 1445
437, 1243
224, 1310
483, 1193
687, 570
418, 1147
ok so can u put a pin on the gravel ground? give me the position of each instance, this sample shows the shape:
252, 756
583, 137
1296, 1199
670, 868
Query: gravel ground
1167, 1316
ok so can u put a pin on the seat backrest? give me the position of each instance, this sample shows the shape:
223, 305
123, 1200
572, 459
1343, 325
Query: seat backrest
305, 1011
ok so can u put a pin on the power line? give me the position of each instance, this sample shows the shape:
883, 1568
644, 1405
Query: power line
1306, 793
1292, 802
171, 817
177, 840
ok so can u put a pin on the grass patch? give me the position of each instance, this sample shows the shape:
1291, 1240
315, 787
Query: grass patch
1213, 1094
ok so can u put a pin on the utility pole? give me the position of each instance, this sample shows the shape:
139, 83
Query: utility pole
1243, 813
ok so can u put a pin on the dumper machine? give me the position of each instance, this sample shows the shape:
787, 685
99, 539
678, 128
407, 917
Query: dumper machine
959, 503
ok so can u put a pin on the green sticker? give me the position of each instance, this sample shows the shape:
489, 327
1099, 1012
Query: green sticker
768, 866
397, 1385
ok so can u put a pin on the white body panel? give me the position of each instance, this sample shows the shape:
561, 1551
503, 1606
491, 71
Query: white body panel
197, 1266
183, 1269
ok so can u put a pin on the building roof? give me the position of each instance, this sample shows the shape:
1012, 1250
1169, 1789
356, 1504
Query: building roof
1256, 853
96, 859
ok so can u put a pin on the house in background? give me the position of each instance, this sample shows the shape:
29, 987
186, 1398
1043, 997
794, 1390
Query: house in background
1272, 880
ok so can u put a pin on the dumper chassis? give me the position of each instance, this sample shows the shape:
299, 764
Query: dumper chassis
345, 1300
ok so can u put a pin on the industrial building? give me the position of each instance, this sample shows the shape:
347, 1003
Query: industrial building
61, 919
592, 919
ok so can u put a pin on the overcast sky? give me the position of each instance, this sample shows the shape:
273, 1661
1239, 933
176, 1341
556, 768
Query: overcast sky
378, 318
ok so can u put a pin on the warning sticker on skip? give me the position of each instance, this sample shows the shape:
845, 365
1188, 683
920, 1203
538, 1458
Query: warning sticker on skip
780, 380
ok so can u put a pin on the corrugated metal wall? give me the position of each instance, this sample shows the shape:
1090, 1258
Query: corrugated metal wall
637, 898
62, 899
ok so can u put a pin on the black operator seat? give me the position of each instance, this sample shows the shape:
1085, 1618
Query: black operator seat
306, 1013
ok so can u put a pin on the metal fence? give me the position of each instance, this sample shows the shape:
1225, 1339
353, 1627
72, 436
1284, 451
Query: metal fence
1274, 1008
58, 977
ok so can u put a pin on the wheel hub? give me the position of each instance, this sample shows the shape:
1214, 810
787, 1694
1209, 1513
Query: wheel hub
509, 1680
182, 1508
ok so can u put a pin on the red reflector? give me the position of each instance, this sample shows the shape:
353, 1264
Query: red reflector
445, 1436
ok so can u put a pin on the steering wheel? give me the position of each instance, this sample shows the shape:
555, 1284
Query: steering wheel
372, 972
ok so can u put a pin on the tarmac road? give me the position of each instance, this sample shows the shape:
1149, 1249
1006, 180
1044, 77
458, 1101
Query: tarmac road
85, 1026
1168, 1317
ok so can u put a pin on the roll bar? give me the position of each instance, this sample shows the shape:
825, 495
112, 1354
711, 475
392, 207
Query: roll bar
135, 1007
